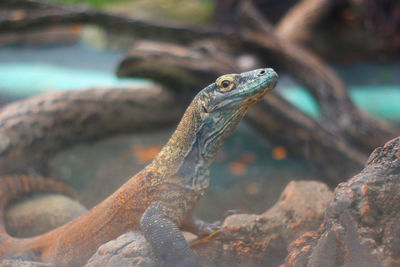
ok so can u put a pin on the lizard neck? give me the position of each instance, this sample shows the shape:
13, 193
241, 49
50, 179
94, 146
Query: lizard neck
186, 158
173, 163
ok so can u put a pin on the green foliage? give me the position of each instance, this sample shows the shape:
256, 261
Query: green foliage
193, 11
94, 3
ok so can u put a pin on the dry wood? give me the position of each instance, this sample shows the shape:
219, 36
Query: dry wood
302, 18
343, 120
25, 15
274, 117
32, 130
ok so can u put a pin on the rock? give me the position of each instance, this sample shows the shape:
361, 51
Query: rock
244, 239
130, 249
21, 263
41, 213
362, 222
263, 239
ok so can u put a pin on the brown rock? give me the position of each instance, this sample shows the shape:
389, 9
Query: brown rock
41, 213
263, 239
245, 239
21, 263
130, 249
362, 223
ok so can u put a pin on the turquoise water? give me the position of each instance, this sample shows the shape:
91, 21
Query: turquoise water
380, 101
21, 80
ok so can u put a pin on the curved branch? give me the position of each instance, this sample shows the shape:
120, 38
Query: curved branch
178, 67
299, 21
47, 15
343, 117
274, 117
35, 128
306, 138
330, 92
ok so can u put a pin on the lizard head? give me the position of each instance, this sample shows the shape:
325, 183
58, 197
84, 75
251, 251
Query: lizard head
223, 104
237, 92
213, 114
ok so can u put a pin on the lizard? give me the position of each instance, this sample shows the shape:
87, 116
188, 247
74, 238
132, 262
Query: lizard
160, 198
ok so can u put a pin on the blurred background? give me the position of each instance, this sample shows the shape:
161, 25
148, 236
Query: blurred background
60, 45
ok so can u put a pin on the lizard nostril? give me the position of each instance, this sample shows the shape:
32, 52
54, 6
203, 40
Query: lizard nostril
262, 72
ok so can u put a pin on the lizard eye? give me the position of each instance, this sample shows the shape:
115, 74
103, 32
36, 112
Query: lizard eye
225, 84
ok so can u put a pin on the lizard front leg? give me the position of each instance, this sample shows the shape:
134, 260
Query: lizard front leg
159, 226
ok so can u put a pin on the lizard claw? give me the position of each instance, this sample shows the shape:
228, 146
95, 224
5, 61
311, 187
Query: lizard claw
203, 228
203, 240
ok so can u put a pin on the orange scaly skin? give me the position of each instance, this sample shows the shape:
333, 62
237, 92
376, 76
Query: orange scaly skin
159, 198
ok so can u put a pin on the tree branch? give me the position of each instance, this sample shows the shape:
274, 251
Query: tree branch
35, 128
42, 15
302, 18
345, 118
178, 67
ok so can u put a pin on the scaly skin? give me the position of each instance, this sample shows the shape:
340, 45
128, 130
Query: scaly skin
161, 197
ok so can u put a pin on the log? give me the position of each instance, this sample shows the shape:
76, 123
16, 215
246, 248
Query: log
355, 125
180, 68
299, 22
359, 29
25, 15
34, 129
326, 153
225, 10
274, 117
342, 118
330, 92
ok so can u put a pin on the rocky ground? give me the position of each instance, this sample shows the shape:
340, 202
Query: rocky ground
356, 225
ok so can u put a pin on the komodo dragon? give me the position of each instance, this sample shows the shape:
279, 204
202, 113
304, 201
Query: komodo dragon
157, 200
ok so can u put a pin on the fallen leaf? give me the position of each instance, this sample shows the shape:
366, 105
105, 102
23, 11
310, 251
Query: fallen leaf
146, 154
279, 153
